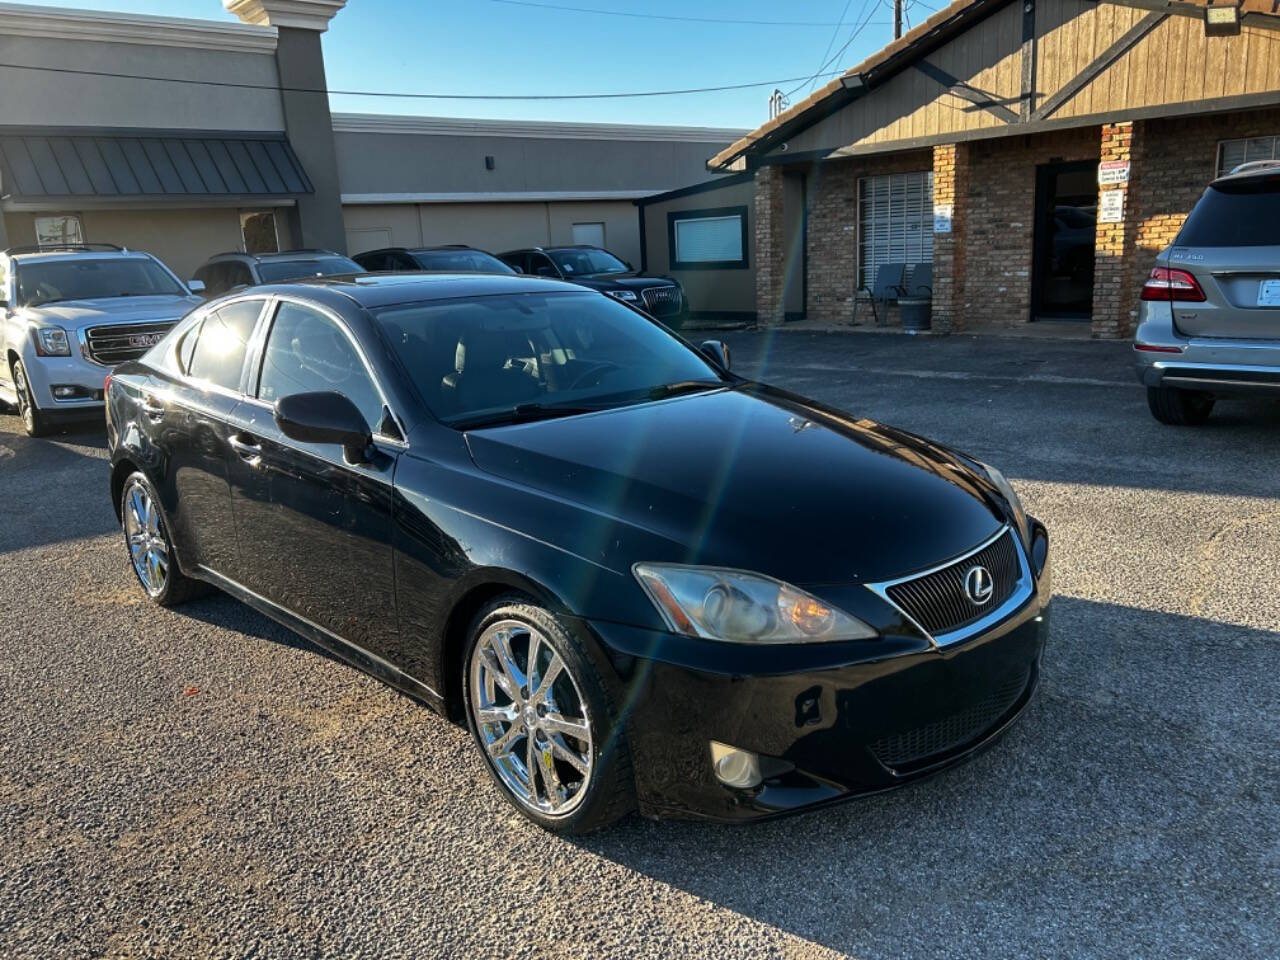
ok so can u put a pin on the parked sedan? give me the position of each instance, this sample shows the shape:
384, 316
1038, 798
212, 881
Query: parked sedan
639, 579
598, 269
454, 258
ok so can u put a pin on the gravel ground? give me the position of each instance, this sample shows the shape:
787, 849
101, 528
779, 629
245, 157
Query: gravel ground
201, 782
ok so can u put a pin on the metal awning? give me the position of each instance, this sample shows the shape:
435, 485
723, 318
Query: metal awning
39, 167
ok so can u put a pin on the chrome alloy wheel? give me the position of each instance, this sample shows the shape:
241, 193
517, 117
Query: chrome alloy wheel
531, 717
25, 408
148, 548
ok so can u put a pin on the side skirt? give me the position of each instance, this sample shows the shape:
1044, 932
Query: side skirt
357, 656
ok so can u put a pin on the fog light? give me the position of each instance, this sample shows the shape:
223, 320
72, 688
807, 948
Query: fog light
735, 768
65, 393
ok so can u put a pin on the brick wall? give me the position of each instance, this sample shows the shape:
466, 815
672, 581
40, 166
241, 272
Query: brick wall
951, 162
770, 242
832, 275
1000, 221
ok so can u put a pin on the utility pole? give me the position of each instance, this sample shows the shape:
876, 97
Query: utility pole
897, 19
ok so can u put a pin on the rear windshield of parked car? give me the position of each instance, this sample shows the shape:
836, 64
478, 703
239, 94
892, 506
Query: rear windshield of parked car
278, 271
484, 354
461, 261
1240, 213
580, 263
52, 281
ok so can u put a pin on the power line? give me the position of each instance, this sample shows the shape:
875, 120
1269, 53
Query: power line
832, 39
412, 96
837, 55
679, 19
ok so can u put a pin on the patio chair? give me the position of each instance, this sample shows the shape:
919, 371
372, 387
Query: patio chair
921, 282
887, 286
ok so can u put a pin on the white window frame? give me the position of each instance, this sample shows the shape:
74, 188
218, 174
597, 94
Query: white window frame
737, 216
44, 232
1223, 168
275, 228
895, 221
588, 223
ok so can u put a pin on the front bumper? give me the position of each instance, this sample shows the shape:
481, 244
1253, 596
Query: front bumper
831, 725
46, 373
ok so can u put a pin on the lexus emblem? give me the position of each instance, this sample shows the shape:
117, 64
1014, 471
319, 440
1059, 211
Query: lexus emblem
978, 586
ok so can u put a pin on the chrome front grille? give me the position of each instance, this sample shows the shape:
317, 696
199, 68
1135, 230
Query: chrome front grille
662, 301
117, 343
933, 741
938, 600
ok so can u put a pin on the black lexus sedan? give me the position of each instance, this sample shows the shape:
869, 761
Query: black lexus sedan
598, 269
640, 580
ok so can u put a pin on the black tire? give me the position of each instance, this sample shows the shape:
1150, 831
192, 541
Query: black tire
1179, 408
177, 587
609, 793
34, 423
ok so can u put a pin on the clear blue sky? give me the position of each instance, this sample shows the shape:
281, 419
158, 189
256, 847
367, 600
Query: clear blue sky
485, 47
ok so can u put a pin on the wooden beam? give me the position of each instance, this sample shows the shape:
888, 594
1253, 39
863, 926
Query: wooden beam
1028, 59
1099, 64
958, 88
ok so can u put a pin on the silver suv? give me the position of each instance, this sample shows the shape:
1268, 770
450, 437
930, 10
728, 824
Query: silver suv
1210, 317
69, 315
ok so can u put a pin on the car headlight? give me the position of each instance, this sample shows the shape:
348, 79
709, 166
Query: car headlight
1014, 501
623, 294
740, 607
52, 342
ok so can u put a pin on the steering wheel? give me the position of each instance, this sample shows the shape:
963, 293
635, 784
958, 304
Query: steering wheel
599, 370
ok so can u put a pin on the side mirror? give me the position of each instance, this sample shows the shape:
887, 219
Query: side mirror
325, 418
196, 286
717, 350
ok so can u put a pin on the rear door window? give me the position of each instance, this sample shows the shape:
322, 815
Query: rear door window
1242, 213
218, 356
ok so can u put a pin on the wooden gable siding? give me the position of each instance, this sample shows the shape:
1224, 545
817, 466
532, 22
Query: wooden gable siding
1175, 63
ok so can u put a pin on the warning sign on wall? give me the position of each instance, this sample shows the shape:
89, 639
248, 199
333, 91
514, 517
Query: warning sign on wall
1112, 172
1111, 207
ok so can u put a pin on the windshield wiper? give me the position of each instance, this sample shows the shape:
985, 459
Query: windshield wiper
683, 386
522, 413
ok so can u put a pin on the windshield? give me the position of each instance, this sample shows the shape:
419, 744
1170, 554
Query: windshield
460, 261
471, 358
586, 261
85, 278
275, 271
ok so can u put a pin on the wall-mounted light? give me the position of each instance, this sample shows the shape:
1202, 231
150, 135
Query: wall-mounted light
488, 163
853, 81
1222, 19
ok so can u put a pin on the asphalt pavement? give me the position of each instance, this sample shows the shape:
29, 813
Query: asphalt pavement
200, 782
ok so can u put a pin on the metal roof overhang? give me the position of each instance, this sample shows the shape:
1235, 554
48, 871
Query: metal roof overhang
46, 168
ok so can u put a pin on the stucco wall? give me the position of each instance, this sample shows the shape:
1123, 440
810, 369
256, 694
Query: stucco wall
491, 226
32, 98
709, 291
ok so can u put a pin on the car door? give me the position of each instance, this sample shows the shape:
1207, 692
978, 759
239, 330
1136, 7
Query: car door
187, 409
315, 530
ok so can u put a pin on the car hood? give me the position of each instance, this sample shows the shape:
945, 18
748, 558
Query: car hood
758, 479
622, 281
87, 313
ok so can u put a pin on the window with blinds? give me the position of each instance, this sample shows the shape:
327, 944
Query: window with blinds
895, 221
708, 239
1232, 153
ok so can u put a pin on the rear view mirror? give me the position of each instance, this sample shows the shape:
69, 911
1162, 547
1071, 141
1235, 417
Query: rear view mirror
325, 418
717, 351
196, 286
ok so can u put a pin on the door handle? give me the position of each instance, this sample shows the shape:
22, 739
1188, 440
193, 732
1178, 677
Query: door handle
247, 450
153, 410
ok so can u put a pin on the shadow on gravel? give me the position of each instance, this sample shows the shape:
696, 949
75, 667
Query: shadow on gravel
221, 610
1131, 810
56, 492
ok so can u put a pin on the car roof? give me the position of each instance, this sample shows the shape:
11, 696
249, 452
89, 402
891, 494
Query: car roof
1254, 168
23, 254
282, 255
371, 290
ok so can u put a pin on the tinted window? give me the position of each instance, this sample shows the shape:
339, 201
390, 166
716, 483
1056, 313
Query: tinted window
540, 266
490, 353
1243, 213
86, 278
277, 271
460, 261
373, 261
307, 353
237, 275
577, 263
220, 347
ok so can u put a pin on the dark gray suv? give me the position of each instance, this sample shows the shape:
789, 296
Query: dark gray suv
226, 271
1210, 316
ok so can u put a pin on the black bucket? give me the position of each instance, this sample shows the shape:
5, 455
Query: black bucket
916, 313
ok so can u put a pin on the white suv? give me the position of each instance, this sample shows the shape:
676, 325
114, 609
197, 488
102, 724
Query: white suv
69, 315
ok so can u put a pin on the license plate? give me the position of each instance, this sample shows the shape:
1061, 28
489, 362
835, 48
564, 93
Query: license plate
151, 339
1269, 293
